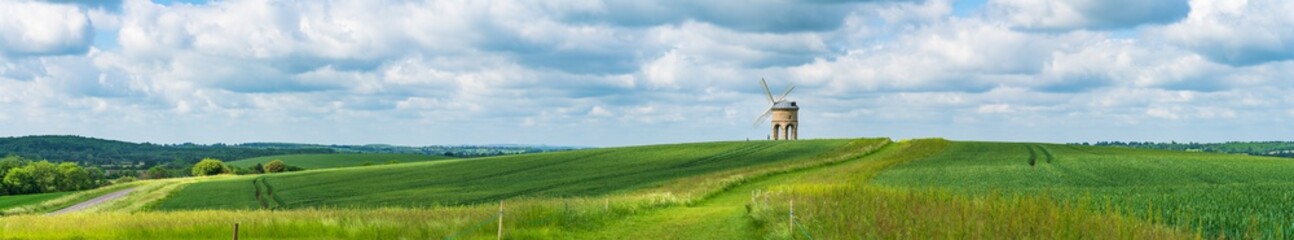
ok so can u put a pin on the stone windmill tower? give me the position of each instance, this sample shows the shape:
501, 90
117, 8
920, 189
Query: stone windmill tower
786, 115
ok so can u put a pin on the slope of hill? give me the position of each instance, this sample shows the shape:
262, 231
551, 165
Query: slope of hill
317, 161
107, 152
453, 182
1216, 193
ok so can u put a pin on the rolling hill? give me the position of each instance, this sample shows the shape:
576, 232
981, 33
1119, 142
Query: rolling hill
1214, 193
317, 161
839, 189
454, 182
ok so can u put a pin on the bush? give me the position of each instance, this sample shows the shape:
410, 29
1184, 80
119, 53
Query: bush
275, 166
208, 167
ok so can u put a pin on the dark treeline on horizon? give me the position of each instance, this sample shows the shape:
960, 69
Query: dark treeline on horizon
1258, 148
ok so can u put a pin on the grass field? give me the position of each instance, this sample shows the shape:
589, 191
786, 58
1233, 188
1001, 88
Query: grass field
7, 202
317, 161
1236, 195
841, 189
455, 182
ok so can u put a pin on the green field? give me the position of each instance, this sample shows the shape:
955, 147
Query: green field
560, 174
7, 202
317, 161
841, 189
1214, 193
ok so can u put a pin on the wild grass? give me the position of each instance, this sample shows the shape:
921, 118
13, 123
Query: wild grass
317, 161
1214, 195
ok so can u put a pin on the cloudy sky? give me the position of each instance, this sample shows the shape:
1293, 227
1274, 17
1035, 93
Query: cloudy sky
611, 72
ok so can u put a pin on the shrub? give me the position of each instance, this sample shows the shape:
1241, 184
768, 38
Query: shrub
275, 166
208, 167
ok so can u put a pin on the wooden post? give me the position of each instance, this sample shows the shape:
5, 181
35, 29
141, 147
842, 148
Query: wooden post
606, 205
500, 235
235, 231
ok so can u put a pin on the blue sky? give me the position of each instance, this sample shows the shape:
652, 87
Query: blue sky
610, 73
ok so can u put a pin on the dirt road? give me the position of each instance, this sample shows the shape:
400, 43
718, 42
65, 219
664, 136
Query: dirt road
93, 202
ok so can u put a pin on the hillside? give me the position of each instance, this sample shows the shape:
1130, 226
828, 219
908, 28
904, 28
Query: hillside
839, 189
1216, 193
317, 161
573, 173
111, 152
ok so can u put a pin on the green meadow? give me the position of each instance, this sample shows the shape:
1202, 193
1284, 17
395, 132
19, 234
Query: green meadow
7, 202
317, 161
469, 181
810, 189
1214, 194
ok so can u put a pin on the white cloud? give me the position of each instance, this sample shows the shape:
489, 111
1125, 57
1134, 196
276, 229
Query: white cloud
1087, 14
36, 28
1240, 33
620, 72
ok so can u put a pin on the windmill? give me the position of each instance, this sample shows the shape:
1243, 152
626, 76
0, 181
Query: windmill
786, 123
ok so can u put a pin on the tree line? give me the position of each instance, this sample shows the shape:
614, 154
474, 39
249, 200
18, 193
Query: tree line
23, 176
1260, 148
119, 154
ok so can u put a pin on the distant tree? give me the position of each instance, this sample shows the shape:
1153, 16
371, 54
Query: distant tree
46, 176
275, 166
72, 177
11, 162
156, 172
97, 176
258, 168
20, 181
209, 166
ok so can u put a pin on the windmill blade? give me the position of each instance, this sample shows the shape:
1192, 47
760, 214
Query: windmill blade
788, 91
766, 91
761, 117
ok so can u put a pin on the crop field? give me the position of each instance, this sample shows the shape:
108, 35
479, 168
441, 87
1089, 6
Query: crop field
527, 217
1213, 194
468, 181
317, 161
817, 189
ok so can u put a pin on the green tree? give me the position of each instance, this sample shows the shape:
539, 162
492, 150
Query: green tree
73, 177
46, 176
97, 176
210, 166
156, 172
275, 166
20, 181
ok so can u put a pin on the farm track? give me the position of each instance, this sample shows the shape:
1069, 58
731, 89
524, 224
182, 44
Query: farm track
93, 202
265, 194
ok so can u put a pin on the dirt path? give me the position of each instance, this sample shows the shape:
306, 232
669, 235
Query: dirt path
93, 202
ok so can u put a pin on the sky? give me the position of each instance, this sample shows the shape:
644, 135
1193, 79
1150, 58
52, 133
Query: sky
631, 72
